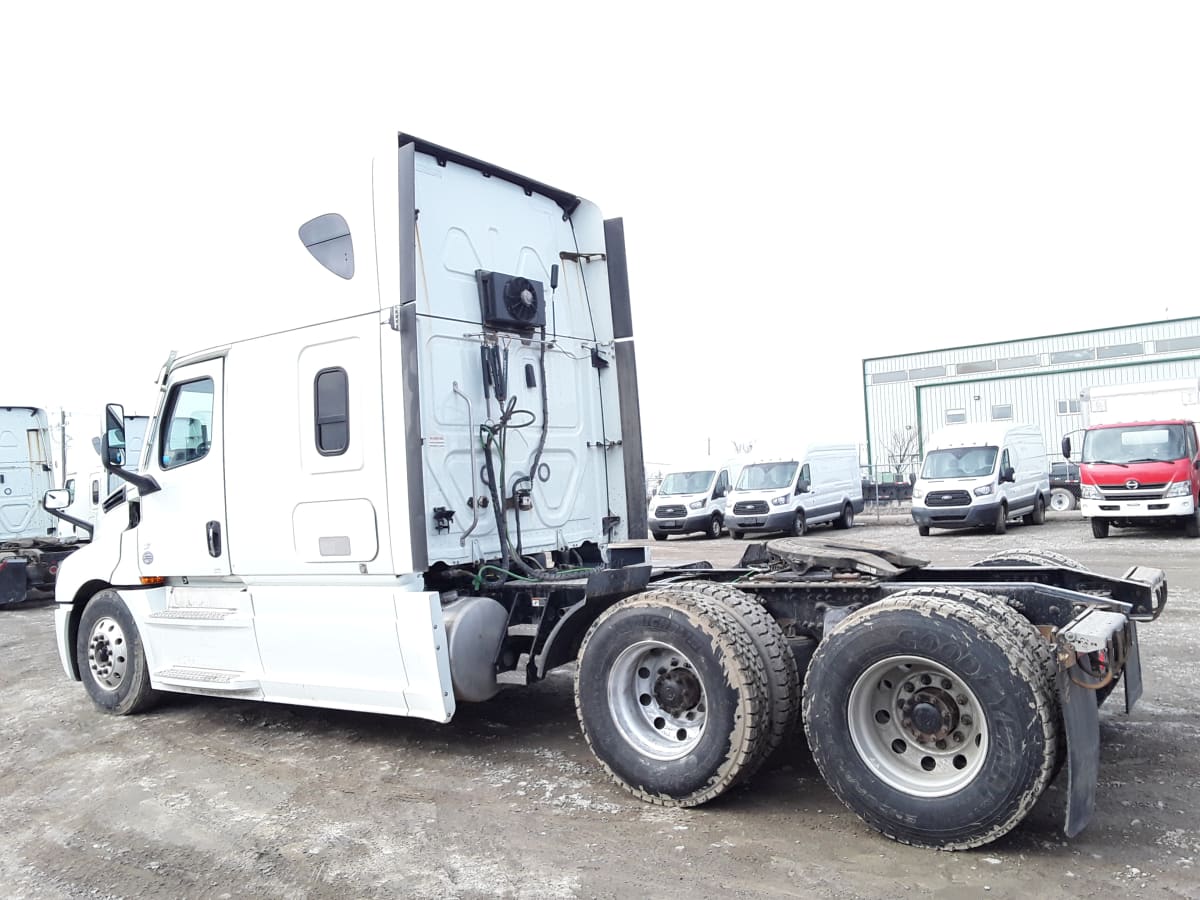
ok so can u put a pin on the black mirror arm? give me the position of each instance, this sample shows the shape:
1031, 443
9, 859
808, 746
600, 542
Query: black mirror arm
78, 523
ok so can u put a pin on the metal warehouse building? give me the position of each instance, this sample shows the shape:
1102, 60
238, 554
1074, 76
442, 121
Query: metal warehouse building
1036, 380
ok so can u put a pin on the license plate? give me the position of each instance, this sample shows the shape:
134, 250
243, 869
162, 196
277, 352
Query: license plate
670, 523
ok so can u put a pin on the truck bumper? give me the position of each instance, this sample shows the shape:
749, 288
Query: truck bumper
62, 632
1138, 509
973, 516
780, 521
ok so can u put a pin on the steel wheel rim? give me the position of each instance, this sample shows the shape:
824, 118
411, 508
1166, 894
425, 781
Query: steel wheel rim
890, 705
108, 656
1060, 502
657, 700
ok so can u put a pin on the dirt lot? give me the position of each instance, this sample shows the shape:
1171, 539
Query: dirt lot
217, 798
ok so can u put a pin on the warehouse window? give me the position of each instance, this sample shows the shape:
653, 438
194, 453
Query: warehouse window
1020, 362
885, 377
1001, 411
1181, 343
981, 365
954, 416
1068, 407
1115, 350
1068, 356
332, 411
927, 372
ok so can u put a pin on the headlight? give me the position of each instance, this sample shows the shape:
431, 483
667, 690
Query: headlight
983, 490
781, 500
1090, 492
1179, 489
918, 493
697, 504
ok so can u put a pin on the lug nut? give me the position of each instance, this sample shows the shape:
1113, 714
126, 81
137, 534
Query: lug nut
958, 738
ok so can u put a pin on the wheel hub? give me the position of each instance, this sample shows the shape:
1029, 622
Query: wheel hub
677, 691
930, 716
107, 654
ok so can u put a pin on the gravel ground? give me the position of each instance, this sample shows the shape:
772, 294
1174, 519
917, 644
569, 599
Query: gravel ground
219, 798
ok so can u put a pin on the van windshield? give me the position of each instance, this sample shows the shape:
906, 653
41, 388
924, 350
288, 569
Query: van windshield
1134, 443
959, 462
686, 483
767, 476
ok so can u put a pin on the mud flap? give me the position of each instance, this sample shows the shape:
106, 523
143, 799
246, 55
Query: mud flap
13, 580
1081, 718
1132, 674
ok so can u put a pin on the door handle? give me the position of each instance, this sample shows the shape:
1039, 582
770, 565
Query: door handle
214, 538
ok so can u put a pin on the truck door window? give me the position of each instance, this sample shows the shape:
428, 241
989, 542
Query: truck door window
187, 423
95, 491
331, 409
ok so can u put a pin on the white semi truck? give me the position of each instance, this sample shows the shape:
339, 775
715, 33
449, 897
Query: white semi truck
440, 504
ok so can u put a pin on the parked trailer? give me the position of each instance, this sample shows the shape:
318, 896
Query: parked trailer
31, 547
442, 500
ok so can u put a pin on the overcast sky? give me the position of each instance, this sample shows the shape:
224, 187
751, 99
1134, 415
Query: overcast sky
802, 185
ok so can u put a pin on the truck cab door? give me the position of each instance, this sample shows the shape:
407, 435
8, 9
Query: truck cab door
182, 527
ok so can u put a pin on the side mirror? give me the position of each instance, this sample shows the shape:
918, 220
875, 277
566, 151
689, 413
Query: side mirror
112, 442
58, 498
718, 494
1066, 448
802, 487
1009, 474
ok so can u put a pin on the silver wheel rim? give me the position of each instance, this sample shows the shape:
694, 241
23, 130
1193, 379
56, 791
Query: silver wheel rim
107, 653
1060, 502
918, 726
657, 700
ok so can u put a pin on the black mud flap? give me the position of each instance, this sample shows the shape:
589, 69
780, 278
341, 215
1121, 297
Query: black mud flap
1081, 718
1132, 675
14, 580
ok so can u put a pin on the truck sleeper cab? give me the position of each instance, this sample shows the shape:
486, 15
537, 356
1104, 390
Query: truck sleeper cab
691, 500
981, 476
822, 485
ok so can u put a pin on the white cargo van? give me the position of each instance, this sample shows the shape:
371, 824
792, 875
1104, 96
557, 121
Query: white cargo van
982, 475
692, 499
822, 484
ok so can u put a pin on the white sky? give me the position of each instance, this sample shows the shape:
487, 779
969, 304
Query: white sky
802, 185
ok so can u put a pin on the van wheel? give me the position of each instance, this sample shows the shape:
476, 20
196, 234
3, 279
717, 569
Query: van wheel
1062, 500
112, 662
923, 530
1038, 516
658, 536
1000, 526
1099, 528
799, 524
846, 520
714, 527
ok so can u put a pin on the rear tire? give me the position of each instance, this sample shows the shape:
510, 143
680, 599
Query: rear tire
1099, 527
1000, 526
1030, 556
1062, 500
846, 520
112, 662
779, 663
671, 696
1038, 516
876, 705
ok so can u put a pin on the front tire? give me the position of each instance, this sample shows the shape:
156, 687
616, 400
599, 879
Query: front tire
799, 524
671, 697
658, 536
931, 721
111, 658
1000, 526
735, 534
1191, 527
923, 530
714, 528
1038, 516
1099, 527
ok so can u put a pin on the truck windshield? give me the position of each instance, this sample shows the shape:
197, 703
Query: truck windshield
767, 476
686, 483
1134, 443
960, 462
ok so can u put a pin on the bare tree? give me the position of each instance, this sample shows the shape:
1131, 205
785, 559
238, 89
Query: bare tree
901, 450
744, 448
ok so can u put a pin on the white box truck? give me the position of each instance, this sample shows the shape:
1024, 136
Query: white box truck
403, 509
982, 476
821, 484
1139, 464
